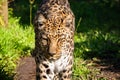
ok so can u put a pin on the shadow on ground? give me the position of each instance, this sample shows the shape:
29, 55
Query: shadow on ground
26, 70
4, 76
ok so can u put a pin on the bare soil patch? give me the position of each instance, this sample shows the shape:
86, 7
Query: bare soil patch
26, 69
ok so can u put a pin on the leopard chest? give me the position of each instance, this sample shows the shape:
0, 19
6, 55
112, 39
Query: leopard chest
61, 63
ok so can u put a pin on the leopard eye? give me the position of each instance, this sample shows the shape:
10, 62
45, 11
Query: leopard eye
40, 24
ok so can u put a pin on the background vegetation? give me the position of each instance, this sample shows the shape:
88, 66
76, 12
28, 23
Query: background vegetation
97, 36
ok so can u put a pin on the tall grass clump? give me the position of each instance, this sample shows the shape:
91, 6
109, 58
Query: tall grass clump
15, 42
95, 43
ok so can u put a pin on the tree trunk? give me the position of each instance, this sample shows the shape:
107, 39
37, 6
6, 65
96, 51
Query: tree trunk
4, 13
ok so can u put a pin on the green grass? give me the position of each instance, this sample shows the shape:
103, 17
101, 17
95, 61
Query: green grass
97, 42
15, 42
90, 45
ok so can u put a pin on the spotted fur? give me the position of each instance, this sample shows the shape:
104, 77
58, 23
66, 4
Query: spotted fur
54, 44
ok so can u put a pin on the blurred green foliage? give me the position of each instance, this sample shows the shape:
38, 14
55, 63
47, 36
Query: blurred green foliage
15, 42
96, 15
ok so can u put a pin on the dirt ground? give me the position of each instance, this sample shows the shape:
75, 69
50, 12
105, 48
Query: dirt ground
109, 69
26, 70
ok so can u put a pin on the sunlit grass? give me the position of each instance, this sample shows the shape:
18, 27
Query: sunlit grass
15, 41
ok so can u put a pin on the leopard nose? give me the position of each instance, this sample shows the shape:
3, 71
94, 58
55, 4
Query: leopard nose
53, 47
52, 51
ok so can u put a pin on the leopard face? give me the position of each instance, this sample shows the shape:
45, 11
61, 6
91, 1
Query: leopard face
55, 37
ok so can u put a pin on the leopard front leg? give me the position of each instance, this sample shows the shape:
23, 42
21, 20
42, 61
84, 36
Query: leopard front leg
43, 70
66, 74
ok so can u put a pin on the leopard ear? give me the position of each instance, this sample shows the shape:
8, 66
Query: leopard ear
41, 18
39, 21
67, 21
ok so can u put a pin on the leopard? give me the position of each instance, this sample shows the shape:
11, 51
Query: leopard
54, 27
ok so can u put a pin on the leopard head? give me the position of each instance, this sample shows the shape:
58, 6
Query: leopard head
53, 35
